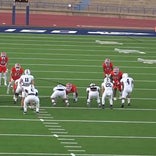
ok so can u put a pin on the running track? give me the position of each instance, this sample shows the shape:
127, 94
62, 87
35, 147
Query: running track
66, 24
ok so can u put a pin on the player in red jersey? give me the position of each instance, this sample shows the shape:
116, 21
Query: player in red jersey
3, 67
15, 74
116, 76
107, 67
71, 88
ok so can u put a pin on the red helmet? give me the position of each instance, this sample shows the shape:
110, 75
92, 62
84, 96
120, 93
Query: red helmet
116, 70
17, 66
68, 86
107, 61
3, 54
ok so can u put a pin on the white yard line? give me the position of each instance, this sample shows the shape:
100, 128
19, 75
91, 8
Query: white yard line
67, 142
63, 154
48, 122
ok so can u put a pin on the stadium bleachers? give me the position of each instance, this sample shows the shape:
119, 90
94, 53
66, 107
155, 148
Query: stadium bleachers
144, 8
124, 7
127, 3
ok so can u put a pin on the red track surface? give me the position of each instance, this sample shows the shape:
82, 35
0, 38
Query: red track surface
48, 20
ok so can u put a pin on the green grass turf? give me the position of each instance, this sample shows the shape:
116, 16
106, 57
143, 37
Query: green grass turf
78, 59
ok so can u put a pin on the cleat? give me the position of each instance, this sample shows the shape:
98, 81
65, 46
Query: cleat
37, 112
122, 106
115, 98
67, 105
111, 106
88, 104
103, 106
53, 104
24, 112
129, 104
75, 100
99, 105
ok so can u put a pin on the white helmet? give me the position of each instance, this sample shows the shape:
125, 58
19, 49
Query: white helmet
27, 71
124, 75
92, 84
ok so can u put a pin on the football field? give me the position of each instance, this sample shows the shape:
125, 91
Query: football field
78, 130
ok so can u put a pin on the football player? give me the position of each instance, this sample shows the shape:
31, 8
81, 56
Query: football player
3, 67
107, 92
59, 92
71, 88
31, 97
127, 88
116, 76
93, 92
15, 73
107, 67
25, 81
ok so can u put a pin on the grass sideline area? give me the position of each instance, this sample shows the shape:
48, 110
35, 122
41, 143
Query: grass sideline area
79, 130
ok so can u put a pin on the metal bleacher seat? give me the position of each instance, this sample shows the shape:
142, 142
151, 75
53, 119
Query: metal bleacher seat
124, 7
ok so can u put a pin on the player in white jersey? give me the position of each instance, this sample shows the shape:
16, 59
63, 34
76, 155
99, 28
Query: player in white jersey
31, 97
25, 81
93, 92
127, 88
107, 92
59, 92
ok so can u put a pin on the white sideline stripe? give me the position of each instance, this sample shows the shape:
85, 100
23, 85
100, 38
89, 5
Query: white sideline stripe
52, 154
107, 136
9, 119
108, 121
79, 136
83, 121
62, 154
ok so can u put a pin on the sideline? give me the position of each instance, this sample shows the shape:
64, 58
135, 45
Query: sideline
77, 31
